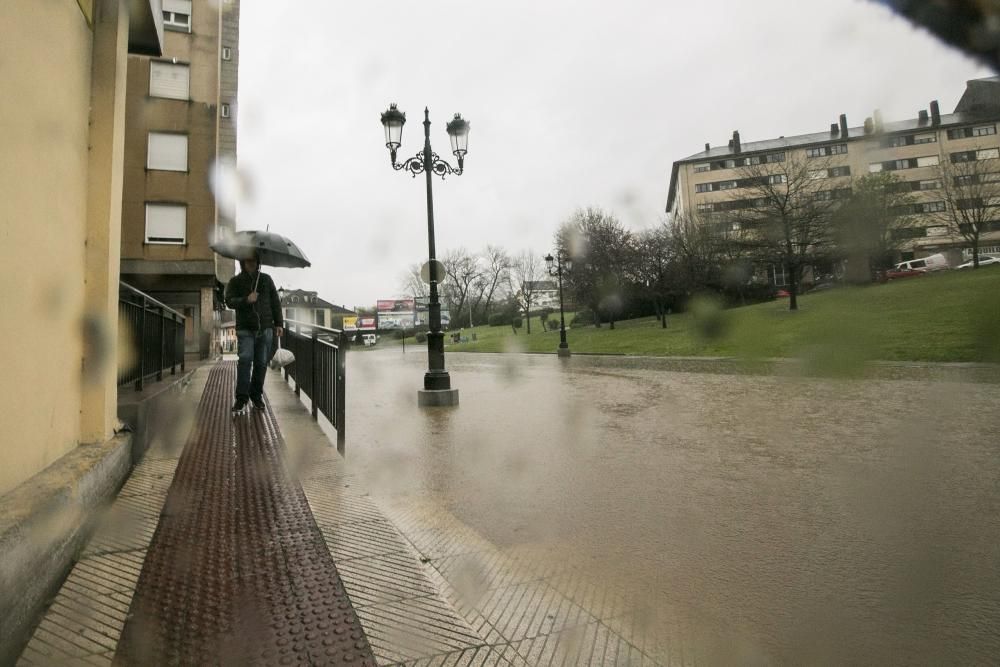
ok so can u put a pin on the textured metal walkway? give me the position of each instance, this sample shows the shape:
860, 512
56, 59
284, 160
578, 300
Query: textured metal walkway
238, 571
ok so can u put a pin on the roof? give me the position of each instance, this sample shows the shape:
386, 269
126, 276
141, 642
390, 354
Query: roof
307, 298
803, 140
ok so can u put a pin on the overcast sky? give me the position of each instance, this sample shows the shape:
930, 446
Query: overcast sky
572, 103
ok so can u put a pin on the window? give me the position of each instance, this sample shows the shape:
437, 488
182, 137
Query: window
988, 154
818, 173
177, 15
930, 184
704, 208
929, 161
775, 157
319, 317
776, 179
703, 187
977, 131
929, 138
822, 151
727, 185
227, 53
166, 223
931, 207
778, 275
840, 171
169, 80
874, 167
729, 164
704, 166
224, 110
167, 151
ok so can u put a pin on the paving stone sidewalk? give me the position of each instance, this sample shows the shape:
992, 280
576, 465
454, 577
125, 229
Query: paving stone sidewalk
428, 590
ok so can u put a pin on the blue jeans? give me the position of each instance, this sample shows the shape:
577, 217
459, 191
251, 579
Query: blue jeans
254, 351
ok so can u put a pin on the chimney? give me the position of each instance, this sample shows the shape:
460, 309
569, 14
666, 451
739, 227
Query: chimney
877, 117
834, 129
730, 145
869, 125
935, 113
736, 142
707, 147
843, 125
922, 117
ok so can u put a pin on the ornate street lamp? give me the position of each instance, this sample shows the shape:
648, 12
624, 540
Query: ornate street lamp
437, 383
555, 265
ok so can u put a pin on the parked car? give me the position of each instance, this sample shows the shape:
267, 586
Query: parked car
370, 339
936, 262
984, 260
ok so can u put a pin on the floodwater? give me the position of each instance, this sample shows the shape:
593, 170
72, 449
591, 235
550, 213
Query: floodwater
772, 519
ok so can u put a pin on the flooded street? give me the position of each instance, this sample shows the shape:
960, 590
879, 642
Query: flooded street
761, 518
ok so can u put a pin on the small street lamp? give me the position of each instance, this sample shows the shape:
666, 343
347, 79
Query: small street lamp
555, 266
437, 383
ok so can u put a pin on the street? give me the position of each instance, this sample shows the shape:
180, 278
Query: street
757, 518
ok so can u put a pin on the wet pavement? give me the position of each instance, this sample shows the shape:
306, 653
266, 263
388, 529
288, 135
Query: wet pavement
758, 518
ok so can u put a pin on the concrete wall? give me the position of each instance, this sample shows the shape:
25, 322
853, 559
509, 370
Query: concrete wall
43, 223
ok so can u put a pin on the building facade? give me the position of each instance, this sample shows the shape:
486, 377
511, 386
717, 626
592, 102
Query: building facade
307, 307
180, 133
917, 151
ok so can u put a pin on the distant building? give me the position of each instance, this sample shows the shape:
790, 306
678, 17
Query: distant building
308, 307
544, 294
710, 182
180, 120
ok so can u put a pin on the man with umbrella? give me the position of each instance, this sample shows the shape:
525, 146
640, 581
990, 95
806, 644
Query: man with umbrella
258, 309
253, 296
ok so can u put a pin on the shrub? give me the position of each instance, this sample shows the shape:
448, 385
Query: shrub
517, 322
499, 319
553, 325
421, 337
583, 318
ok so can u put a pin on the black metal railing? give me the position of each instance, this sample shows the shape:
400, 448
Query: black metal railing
319, 370
155, 333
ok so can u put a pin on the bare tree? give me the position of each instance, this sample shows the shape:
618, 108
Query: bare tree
652, 268
495, 274
970, 188
871, 226
525, 273
599, 246
463, 270
783, 213
411, 284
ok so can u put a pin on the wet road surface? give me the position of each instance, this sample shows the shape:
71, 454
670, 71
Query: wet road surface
766, 519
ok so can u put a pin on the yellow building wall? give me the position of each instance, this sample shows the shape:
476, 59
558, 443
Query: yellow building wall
46, 189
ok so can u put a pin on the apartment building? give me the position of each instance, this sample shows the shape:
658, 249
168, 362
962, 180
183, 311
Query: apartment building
180, 124
917, 151
308, 307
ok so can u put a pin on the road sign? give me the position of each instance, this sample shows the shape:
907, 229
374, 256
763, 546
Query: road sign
425, 271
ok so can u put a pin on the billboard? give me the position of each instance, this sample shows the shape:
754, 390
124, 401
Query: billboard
367, 324
395, 306
397, 320
350, 323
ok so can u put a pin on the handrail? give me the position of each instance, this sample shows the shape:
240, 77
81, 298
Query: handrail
149, 299
319, 370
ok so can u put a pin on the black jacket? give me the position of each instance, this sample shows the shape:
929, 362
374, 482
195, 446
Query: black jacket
263, 314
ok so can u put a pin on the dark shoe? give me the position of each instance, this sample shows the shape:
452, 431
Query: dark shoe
258, 403
239, 404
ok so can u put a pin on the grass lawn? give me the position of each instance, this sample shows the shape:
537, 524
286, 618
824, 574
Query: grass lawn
951, 316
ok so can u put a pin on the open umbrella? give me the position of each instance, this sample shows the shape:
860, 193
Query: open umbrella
271, 249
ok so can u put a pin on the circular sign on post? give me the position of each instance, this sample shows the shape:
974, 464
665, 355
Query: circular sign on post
425, 271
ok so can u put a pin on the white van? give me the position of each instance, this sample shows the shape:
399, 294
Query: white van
370, 339
930, 263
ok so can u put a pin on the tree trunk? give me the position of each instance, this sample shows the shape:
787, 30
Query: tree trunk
612, 323
793, 299
975, 251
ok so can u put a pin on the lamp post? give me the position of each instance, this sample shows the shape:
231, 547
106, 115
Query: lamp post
555, 266
437, 383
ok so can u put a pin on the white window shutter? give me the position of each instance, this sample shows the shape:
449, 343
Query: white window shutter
180, 6
166, 223
167, 151
169, 80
